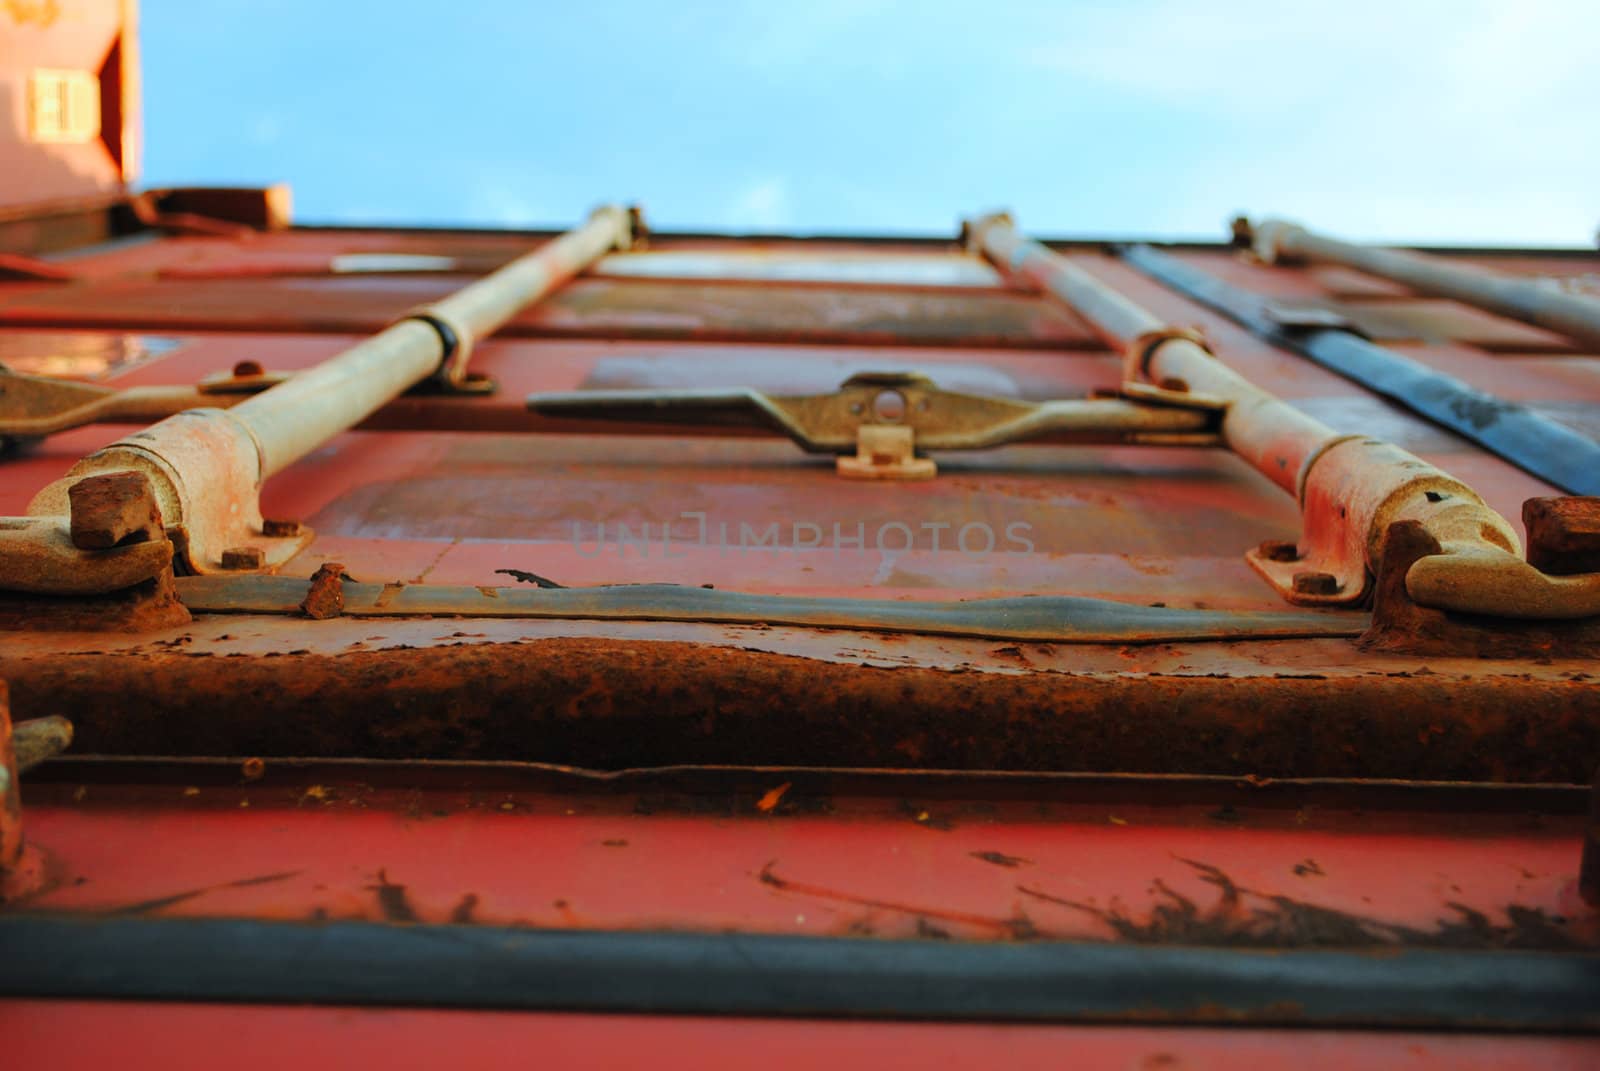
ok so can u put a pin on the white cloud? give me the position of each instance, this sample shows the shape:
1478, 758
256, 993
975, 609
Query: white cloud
1464, 121
762, 206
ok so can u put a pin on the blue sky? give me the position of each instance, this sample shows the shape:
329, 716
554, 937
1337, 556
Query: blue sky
1466, 121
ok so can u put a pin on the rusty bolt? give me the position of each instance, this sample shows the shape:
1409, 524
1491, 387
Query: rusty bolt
253, 769
1275, 550
248, 369
113, 508
243, 558
325, 597
1310, 583
1563, 534
1175, 385
280, 529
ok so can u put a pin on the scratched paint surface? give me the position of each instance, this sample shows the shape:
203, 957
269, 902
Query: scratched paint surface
781, 853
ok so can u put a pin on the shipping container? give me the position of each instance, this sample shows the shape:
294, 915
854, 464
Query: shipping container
608, 645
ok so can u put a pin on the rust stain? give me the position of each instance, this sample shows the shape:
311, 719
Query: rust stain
770, 799
614, 703
925, 817
392, 900
1001, 859
461, 914
145, 907
1017, 928
1242, 917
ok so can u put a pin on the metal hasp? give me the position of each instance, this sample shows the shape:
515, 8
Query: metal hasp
1351, 488
22, 746
34, 407
1528, 300
1548, 449
877, 420
200, 472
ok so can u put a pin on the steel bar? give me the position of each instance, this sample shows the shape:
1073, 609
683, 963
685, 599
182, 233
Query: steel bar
1272, 435
205, 466
1350, 488
1531, 301
297, 416
1549, 450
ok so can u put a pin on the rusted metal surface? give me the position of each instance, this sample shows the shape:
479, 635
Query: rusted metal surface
324, 596
615, 694
1563, 534
855, 625
114, 508
1401, 623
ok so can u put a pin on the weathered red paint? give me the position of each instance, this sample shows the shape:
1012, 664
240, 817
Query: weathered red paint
1184, 861
458, 489
72, 1034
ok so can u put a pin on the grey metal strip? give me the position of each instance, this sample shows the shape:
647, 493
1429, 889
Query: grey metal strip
1051, 618
1547, 449
359, 963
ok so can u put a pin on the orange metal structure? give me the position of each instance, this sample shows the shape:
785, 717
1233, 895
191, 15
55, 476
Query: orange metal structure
459, 637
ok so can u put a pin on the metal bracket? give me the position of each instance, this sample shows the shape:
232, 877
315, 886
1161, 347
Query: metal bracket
33, 407
1299, 318
852, 419
1136, 383
1335, 560
885, 452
